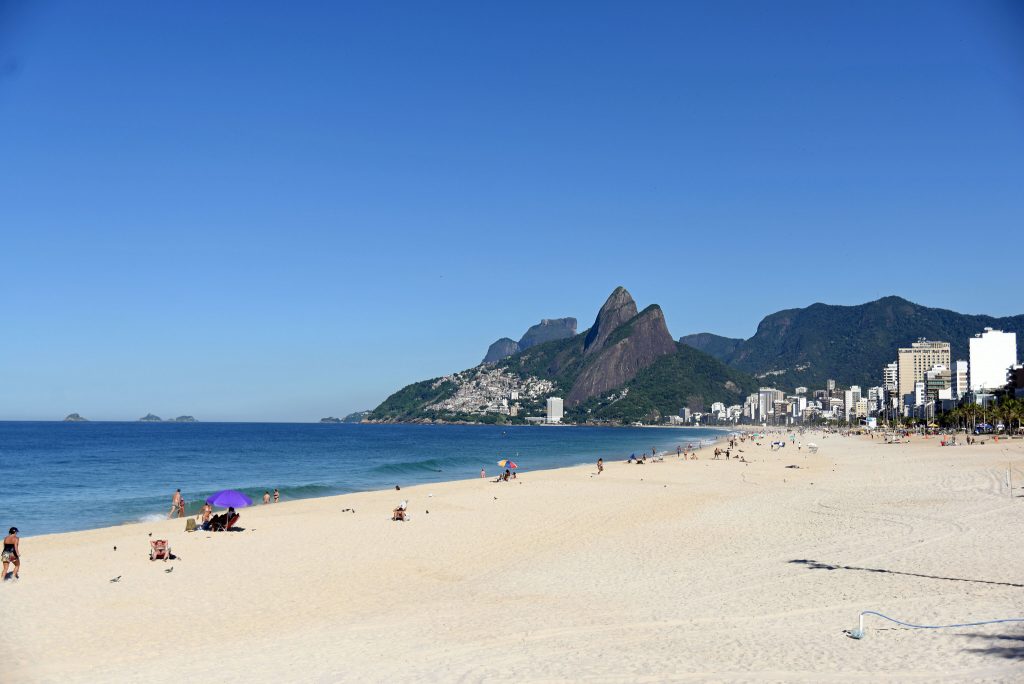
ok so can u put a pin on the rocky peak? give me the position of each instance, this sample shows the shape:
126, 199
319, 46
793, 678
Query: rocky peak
618, 309
548, 329
500, 349
622, 353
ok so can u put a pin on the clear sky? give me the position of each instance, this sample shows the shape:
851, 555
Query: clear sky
282, 211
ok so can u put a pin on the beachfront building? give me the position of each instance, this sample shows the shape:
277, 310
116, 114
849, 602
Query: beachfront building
555, 410
958, 379
938, 384
766, 398
916, 360
992, 354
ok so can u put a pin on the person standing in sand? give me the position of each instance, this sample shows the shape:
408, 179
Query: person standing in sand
175, 503
11, 553
600, 466
482, 473
266, 497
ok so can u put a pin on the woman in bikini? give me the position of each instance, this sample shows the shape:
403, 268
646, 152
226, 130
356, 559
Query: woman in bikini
11, 553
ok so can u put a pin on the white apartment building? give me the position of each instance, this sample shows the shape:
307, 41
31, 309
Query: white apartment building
992, 354
958, 379
891, 377
555, 410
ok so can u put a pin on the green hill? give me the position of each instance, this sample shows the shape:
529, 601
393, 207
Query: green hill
848, 343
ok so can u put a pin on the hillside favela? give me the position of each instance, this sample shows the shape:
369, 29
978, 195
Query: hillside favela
520, 342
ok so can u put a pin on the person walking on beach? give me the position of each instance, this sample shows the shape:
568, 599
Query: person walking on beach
11, 553
266, 497
175, 503
277, 496
600, 466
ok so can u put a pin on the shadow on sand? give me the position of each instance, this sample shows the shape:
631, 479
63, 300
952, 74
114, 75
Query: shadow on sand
1009, 646
816, 565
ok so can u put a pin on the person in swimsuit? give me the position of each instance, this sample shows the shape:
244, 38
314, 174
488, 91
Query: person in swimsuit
266, 498
175, 503
600, 466
181, 508
277, 496
206, 512
11, 553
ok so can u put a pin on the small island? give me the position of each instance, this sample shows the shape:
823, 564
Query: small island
75, 418
150, 418
356, 417
331, 419
184, 419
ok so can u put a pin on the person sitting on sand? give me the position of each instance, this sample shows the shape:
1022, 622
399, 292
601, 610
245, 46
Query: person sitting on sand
205, 513
11, 552
507, 475
400, 511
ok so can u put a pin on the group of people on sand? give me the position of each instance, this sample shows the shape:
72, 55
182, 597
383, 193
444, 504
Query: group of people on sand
505, 476
216, 523
178, 505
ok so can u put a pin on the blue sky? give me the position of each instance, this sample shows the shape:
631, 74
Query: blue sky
281, 211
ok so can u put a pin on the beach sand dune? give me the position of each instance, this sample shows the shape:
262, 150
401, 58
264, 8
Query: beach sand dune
681, 570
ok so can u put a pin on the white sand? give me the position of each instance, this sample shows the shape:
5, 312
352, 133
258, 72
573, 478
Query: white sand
665, 571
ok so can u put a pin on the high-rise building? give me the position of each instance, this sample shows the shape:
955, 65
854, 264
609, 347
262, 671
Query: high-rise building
555, 410
958, 379
993, 353
891, 377
914, 361
830, 386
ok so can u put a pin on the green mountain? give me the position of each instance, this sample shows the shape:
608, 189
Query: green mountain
547, 330
625, 367
848, 343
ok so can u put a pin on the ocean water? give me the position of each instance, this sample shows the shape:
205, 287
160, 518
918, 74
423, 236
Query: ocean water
58, 477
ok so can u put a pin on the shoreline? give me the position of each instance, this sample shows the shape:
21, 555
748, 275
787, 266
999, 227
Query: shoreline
159, 519
696, 570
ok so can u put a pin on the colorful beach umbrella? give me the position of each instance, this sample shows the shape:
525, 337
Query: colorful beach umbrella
229, 498
505, 463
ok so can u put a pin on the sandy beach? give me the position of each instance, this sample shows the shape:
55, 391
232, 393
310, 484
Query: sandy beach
679, 570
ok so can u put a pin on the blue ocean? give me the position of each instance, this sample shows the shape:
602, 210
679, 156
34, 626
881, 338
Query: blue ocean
58, 477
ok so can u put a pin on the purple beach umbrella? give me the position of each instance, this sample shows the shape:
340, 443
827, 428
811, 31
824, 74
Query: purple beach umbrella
229, 498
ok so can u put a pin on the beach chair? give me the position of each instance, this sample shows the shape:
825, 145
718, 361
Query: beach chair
159, 549
231, 523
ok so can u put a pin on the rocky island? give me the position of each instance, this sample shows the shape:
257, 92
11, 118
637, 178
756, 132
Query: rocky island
331, 419
75, 418
150, 418
184, 419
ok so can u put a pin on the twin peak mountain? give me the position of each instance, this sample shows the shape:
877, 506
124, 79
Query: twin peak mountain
625, 367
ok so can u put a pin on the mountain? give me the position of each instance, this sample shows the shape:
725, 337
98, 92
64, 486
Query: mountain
848, 343
501, 349
618, 353
687, 378
356, 417
709, 343
75, 418
547, 330
624, 367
